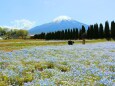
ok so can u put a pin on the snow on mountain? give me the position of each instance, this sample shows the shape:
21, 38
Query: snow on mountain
62, 18
59, 23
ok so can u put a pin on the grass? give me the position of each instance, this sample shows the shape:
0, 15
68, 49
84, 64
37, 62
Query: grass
9, 45
77, 65
17, 44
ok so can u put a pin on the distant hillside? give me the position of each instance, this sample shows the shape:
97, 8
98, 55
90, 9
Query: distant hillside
58, 24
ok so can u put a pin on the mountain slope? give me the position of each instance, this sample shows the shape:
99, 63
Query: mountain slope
57, 24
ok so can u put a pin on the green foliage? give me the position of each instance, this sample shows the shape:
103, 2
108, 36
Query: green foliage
107, 30
58, 35
3, 83
93, 32
96, 33
83, 29
63, 68
101, 32
46, 74
90, 32
22, 33
28, 77
7, 33
113, 29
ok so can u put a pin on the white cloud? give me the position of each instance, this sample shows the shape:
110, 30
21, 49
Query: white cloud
20, 24
23, 24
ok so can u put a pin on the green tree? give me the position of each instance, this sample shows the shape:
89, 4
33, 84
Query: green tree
22, 33
113, 29
107, 30
101, 33
79, 34
68, 34
96, 31
62, 34
88, 33
91, 32
74, 33
83, 29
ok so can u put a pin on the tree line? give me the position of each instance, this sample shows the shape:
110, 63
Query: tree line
96, 31
7, 33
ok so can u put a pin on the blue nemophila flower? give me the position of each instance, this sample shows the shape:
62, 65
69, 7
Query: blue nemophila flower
46, 82
77, 65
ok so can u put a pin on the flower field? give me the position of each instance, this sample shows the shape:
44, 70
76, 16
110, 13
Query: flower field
61, 65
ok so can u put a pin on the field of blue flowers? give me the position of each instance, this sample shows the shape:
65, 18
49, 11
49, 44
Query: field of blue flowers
62, 65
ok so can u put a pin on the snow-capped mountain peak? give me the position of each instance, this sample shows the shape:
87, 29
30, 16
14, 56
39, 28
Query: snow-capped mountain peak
58, 24
62, 18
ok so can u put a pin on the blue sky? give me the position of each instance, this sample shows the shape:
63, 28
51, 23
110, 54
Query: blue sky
29, 13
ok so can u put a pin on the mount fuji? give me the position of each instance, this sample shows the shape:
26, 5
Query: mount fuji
59, 23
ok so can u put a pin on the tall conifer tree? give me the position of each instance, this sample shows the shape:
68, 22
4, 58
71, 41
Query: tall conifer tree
107, 30
113, 29
101, 33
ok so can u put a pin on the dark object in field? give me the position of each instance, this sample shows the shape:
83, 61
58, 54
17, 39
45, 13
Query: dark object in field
70, 42
83, 41
83, 38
